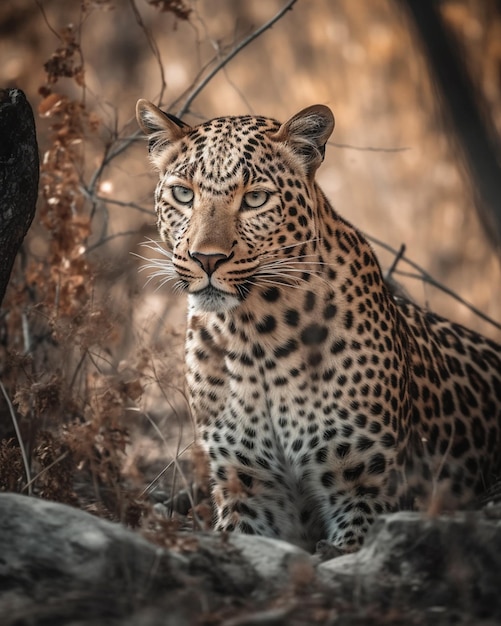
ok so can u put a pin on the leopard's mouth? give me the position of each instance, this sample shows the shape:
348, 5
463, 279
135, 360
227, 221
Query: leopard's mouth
210, 299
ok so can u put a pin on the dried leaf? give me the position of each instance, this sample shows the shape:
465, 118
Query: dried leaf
179, 8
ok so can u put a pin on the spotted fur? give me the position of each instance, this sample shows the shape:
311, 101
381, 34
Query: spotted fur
321, 399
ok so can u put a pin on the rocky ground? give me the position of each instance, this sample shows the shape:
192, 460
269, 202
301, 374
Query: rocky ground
60, 565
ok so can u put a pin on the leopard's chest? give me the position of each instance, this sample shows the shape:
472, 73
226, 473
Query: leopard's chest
294, 407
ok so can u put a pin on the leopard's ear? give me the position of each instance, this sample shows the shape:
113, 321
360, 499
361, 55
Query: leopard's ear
162, 128
306, 133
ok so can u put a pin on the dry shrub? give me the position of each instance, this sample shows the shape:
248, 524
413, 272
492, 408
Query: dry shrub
61, 336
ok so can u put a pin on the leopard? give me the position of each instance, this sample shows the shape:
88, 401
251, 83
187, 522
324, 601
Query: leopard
322, 398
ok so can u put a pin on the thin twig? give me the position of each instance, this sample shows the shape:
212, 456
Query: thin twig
44, 470
19, 438
149, 488
101, 242
428, 278
128, 204
46, 20
153, 45
366, 148
245, 42
397, 258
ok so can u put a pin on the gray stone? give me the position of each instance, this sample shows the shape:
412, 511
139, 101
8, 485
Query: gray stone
61, 566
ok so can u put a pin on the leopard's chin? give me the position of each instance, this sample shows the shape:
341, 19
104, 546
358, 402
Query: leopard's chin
212, 300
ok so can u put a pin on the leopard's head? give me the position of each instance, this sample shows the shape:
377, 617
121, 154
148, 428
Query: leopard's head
236, 199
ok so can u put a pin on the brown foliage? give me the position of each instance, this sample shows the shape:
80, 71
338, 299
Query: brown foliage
69, 393
178, 7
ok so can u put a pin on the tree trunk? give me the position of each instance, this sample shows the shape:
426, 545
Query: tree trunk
463, 109
19, 175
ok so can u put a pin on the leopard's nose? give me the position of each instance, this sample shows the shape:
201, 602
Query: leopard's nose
209, 262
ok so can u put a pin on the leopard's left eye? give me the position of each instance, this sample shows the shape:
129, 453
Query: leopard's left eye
183, 195
255, 199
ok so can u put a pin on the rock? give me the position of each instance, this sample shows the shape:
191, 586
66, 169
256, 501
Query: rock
447, 565
274, 561
57, 561
60, 565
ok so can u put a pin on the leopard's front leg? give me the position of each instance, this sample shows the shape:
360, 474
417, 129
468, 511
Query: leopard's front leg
253, 502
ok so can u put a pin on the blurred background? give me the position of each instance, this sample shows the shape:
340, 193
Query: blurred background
84, 332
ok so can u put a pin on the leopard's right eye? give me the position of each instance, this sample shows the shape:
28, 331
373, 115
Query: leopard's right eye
183, 195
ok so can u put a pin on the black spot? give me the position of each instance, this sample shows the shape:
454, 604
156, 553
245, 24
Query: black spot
245, 528
478, 432
257, 351
471, 465
329, 434
282, 351
360, 419
297, 444
321, 455
244, 460
309, 301
460, 427
352, 473
328, 374
246, 360
364, 443
201, 355
343, 450
388, 440
377, 464
271, 295
291, 317
266, 325
263, 462
314, 359
372, 492
492, 438
243, 509
223, 452
459, 448
205, 335
338, 346
314, 334
448, 406
348, 320
330, 311
280, 381
328, 479
347, 430
364, 507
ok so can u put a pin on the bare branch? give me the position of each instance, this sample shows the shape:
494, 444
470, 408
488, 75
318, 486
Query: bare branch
366, 148
102, 241
245, 42
428, 278
153, 45
19, 438
128, 204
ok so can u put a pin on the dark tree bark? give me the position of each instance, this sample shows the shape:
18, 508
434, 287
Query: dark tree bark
463, 108
19, 175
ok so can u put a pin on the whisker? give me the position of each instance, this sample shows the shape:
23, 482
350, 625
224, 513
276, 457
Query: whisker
162, 267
